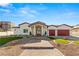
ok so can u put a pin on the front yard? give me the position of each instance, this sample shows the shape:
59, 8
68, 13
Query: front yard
66, 46
11, 46
5, 40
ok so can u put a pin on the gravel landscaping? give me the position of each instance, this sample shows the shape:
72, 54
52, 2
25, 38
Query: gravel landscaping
11, 50
70, 50
14, 48
66, 46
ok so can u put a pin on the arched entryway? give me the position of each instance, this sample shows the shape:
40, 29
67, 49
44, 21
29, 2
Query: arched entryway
38, 30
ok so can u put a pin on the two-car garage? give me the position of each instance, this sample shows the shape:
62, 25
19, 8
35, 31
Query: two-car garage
62, 30
59, 32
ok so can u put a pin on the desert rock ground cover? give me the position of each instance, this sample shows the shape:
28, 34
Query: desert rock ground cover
70, 50
12, 48
66, 46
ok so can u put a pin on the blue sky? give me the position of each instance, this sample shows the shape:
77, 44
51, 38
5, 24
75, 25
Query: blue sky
50, 13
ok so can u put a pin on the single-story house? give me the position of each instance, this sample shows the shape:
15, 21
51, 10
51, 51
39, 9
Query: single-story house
40, 29
75, 31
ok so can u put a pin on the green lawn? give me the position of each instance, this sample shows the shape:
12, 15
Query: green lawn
62, 41
76, 42
8, 39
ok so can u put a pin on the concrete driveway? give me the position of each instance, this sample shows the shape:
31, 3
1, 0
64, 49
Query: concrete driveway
41, 52
70, 37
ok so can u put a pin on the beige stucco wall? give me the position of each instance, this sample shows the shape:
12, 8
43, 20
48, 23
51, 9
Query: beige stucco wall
64, 27
44, 30
75, 32
16, 31
19, 31
7, 33
24, 26
52, 28
32, 30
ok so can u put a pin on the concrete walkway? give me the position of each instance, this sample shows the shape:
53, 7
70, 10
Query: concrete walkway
41, 43
40, 52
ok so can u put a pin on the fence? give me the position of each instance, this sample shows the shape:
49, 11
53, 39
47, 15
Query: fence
7, 33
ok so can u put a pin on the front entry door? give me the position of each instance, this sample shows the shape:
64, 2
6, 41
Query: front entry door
38, 31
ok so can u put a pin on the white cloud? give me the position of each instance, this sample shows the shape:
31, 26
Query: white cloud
27, 11
7, 8
4, 4
22, 12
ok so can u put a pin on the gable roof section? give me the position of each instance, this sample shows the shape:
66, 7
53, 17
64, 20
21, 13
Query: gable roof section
65, 25
60, 25
38, 22
23, 23
52, 25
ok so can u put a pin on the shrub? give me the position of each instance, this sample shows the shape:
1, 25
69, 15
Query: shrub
51, 37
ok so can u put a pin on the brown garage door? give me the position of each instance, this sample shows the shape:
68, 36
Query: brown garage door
63, 32
51, 32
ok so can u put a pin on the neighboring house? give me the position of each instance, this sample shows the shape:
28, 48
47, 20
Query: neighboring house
75, 31
6, 26
41, 29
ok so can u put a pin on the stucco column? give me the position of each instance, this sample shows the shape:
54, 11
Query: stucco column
34, 31
42, 31
56, 32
